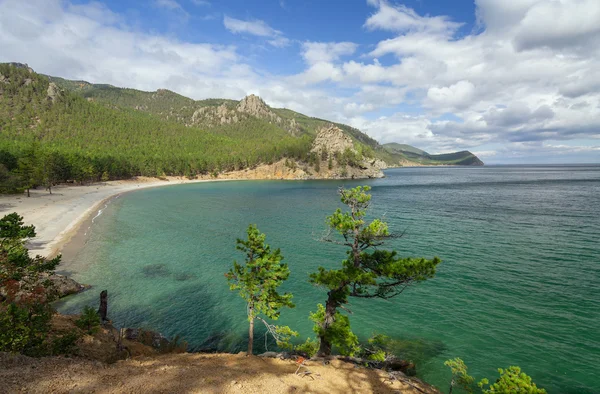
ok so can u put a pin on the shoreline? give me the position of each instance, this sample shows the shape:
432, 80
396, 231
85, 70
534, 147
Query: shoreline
58, 217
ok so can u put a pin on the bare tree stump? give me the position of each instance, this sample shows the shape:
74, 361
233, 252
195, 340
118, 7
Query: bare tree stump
103, 310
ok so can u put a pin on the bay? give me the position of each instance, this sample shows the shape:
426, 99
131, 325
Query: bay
519, 283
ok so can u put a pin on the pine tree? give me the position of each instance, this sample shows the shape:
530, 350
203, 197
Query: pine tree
257, 281
367, 272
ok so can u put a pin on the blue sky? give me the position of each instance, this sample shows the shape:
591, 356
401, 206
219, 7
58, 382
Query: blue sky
513, 81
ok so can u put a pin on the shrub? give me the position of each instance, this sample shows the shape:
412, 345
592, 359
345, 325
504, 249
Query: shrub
89, 320
65, 345
309, 348
512, 380
23, 329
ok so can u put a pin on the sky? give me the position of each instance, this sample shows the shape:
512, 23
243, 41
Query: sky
514, 81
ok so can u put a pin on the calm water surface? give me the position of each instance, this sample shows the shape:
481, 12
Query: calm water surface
519, 283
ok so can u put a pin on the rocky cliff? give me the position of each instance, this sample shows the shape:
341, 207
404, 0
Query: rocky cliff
333, 157
249, 106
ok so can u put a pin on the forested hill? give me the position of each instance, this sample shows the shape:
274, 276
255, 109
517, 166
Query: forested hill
54, 130
418, 156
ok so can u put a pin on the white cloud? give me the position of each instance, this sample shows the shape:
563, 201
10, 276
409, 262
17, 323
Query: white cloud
317, 52
83, 42
521, 83
456, 96
256, 28
560, 25
202, 3
400, 18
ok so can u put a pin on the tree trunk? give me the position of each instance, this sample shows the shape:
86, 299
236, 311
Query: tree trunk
250, 330
103, 310
330, 309
28, 195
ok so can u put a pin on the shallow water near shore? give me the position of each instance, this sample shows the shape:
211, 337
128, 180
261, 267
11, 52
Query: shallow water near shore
519, 283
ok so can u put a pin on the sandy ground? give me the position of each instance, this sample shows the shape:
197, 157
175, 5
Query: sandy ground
57, 216
193, 373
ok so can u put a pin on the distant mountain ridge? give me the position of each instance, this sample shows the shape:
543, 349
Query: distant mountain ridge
420, 157
212, 112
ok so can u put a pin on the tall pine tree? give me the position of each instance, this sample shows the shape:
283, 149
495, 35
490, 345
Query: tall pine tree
257, 281
367, 272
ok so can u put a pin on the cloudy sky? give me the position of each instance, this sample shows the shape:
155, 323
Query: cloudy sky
515, 81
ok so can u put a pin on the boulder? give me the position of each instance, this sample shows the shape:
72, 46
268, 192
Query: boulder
65, 286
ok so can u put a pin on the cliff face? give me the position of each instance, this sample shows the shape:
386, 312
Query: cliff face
334, 158
249, 106
330, 140
340, 159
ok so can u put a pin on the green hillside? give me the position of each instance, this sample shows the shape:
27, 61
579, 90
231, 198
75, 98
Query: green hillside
416, 155
48, 133
404, 148
55, 130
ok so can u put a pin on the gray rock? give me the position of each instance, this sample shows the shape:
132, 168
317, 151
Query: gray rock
65, 286
332, 139
53, 92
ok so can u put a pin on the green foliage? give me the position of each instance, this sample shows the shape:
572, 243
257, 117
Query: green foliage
88, 133
44, 141
258, 279
460, 377
25, 296
24, 328
376, 349
399, 152
89, 320
65, 344
512, 380
12, 228
337, 333
367, 272
283, 336
309, 348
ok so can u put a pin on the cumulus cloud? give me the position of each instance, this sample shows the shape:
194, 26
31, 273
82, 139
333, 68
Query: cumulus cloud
526, 79
401, 18
326, 52
456, 96
559, 25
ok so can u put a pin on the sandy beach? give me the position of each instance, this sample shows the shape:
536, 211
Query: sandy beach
58, 216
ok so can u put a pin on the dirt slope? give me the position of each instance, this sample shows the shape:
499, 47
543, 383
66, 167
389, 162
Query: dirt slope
191, 373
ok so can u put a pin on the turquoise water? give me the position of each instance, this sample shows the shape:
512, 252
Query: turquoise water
519, 283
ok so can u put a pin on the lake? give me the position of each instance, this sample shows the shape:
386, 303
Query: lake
519, 283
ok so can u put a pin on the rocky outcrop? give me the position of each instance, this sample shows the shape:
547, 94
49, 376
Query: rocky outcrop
331, 140
21, 65
62, 286
255, 106
54, 92
250, 106
65, 286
